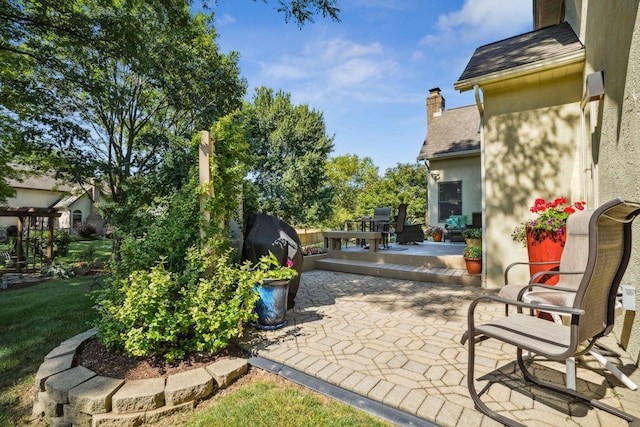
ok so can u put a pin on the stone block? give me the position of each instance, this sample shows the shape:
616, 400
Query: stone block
57, 422
94, 396
158, 414
47, 406
62, 350
52, 367
80, 338
58, 385
118, 420
187, 386
74, 417
138, 395
226, 371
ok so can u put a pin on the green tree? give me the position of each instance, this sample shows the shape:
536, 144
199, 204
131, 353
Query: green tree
107, 89
118, 111
290, 146
404, 183
348, 176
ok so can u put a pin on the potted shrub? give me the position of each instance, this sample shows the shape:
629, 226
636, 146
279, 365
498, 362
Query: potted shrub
272, 286
473, 259
473, 236
435, 232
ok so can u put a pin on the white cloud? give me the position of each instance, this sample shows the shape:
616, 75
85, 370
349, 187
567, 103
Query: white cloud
338, 69
479, 20
225, 19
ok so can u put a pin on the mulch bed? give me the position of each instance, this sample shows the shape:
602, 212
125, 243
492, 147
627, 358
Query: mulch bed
95, 356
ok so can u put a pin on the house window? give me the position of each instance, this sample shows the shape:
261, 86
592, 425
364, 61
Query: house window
449, 199
77, 218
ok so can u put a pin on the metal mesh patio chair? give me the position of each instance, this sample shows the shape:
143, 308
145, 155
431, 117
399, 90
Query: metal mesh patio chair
590, 307
382, 223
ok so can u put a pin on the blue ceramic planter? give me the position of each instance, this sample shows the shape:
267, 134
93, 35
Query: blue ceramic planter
271, 307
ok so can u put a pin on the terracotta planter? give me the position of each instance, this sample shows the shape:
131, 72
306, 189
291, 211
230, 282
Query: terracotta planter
474, 265
548, 247
437, 237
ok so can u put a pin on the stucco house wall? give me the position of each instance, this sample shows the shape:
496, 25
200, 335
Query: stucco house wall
30, 197
617, 54
530, 151
465, 169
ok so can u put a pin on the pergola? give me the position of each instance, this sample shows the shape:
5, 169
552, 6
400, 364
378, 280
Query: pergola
28, 219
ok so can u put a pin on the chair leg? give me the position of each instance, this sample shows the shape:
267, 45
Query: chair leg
567, 391
474, 394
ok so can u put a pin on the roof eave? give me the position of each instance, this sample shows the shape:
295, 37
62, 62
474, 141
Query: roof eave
444, 156
521, 71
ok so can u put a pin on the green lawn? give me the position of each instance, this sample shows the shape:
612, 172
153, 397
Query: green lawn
33, 321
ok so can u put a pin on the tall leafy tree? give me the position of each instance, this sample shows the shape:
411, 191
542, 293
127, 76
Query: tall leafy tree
348, 176
108, 87
290, 147
118, 93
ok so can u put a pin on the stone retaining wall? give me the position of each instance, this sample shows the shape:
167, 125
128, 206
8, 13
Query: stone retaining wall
76, 396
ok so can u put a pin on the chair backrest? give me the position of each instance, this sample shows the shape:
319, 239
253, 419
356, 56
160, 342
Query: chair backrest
576, 249
608, 257
401, 217
381, 217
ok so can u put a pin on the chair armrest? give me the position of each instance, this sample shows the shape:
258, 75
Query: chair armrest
510, 266
552, 273
522, 304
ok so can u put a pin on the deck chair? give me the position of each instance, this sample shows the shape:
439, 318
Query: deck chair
571, 270
591, 310
407, 233
382, 223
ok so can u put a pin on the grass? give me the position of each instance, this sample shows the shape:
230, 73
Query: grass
87, 250
34, 321
266, 404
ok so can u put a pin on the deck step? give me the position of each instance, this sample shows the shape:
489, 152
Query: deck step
400, 271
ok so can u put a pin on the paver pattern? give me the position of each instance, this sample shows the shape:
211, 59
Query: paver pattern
398, 342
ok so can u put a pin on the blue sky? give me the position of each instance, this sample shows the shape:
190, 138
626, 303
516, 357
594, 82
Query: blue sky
370, 73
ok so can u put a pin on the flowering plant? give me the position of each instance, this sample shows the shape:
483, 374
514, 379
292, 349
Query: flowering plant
313, 250
551, 220
472, 252
268, 267
433, 230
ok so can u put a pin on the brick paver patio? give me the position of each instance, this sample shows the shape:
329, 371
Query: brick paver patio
398, 342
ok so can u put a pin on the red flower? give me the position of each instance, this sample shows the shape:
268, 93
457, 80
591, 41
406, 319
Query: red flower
569, 210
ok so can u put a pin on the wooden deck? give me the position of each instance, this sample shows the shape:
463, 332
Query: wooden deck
425, 262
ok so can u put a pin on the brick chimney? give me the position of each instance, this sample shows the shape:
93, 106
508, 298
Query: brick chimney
435, 104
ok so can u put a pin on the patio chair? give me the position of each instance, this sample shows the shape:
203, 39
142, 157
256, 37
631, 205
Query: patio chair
382, 223
570, 273
590, 307
407, 233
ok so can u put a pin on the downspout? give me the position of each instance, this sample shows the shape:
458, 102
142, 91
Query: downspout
476, 90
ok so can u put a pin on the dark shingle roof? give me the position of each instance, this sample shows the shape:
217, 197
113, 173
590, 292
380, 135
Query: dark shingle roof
453, 132
540, 45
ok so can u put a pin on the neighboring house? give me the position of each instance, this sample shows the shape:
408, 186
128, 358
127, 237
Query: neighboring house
451, 151
560, 118
44, 191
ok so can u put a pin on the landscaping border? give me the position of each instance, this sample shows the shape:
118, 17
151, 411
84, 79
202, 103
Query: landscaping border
68, 395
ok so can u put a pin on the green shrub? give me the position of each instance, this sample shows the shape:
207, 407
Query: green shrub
57, 270
472, 233
86, 231
61, 242
167, 314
